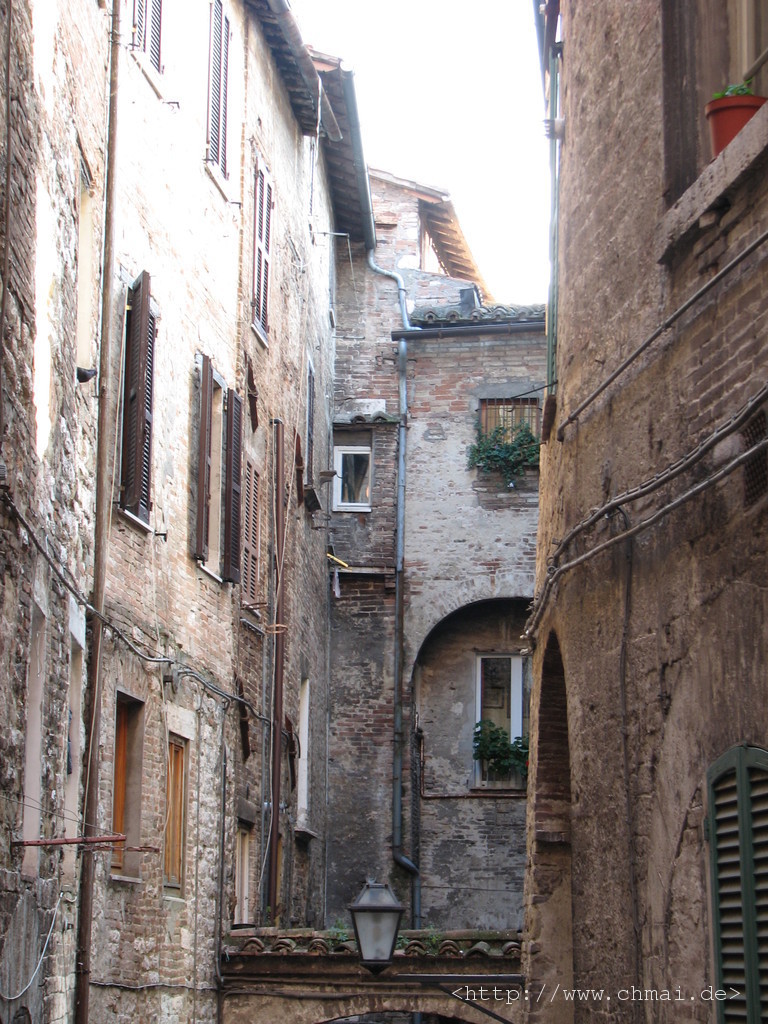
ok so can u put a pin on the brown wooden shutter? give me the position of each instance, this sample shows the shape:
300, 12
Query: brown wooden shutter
310, 425
250, 579
153, 41
204, 460
137, 403
139, 7
262, 232
174, 829
233, 487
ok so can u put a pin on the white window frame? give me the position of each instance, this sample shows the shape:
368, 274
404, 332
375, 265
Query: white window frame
339, 451
516, 697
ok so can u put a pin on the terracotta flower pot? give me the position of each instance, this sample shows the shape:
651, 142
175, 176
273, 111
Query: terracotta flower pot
726, 117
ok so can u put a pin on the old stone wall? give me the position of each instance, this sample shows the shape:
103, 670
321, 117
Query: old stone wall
661, 632
57, 68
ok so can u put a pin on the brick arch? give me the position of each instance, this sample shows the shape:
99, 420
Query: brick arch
552, 793
548, 942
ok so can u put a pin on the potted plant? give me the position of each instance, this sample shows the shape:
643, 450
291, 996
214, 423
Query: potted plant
728, 111
500, 758
504, 451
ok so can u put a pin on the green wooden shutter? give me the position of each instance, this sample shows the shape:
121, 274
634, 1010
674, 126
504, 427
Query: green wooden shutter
738, 814
204, 460
233, 487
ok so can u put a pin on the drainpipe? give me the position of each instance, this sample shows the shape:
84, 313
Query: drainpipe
277, 704
101, 527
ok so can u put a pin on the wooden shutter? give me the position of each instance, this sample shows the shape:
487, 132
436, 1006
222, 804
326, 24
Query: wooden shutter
250, 581
137, 403
204, 460
139, 23
262, 231
119, 783
174, 829
310, 425
217, 91
738, 817
233, 487
153, 42
298, 465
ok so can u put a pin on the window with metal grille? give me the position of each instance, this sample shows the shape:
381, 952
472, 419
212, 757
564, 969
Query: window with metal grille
251, 536
136, 462
738, 826
147, 25
218, 73
175, 822
262, 241
756, 467
509, 414
219, 476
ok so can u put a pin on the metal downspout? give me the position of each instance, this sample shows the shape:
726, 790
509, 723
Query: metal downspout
277, 705
101, 526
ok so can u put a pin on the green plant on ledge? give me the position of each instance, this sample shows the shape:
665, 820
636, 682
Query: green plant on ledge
490, 743
505, 452
737, 89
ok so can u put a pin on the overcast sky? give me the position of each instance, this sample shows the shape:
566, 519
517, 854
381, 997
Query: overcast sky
451, 97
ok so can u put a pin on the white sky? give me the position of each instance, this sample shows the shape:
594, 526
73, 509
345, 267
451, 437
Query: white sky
451, 96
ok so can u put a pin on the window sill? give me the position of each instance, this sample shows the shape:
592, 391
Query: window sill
153, 77
741, 159
134, 520
209, 572
352, 508
218, 179
125, 879
261, 334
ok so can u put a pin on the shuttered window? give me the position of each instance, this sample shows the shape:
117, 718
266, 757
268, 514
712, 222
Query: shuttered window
251, 535
147, 25
219, 476
175, 814
738, 822
136, 463
309, 461
218, 74
262, 239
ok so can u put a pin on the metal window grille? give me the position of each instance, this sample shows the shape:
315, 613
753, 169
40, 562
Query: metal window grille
510, 413
756, 467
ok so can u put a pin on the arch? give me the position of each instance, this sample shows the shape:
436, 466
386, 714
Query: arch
548, 946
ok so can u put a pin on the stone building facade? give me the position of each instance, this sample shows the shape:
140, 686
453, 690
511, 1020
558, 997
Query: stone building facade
649, 727
52, 144
434, 571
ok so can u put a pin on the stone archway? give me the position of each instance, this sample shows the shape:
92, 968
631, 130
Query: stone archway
548, 946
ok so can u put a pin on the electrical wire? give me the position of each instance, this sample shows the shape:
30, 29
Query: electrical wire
10, 999
554, 573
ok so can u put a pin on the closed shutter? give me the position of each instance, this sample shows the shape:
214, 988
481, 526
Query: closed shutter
310, 425
119, 784
298, 465
139, 23
758, 786
153, 47
174, 829
137, 403
262, 240
250, 580
204, 460
233, 487
739, 838
217, 90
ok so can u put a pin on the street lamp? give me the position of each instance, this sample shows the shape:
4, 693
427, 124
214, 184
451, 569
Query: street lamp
376, 915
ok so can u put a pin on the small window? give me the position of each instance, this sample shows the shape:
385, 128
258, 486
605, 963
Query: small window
738, 828
175, 824
218, 74
510, 414
242, 875
501, 708
219, 477
262, 249
126, 784
136, 462
310, 456
147, 24
756, 466
302, 795
352, 483
251, 536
